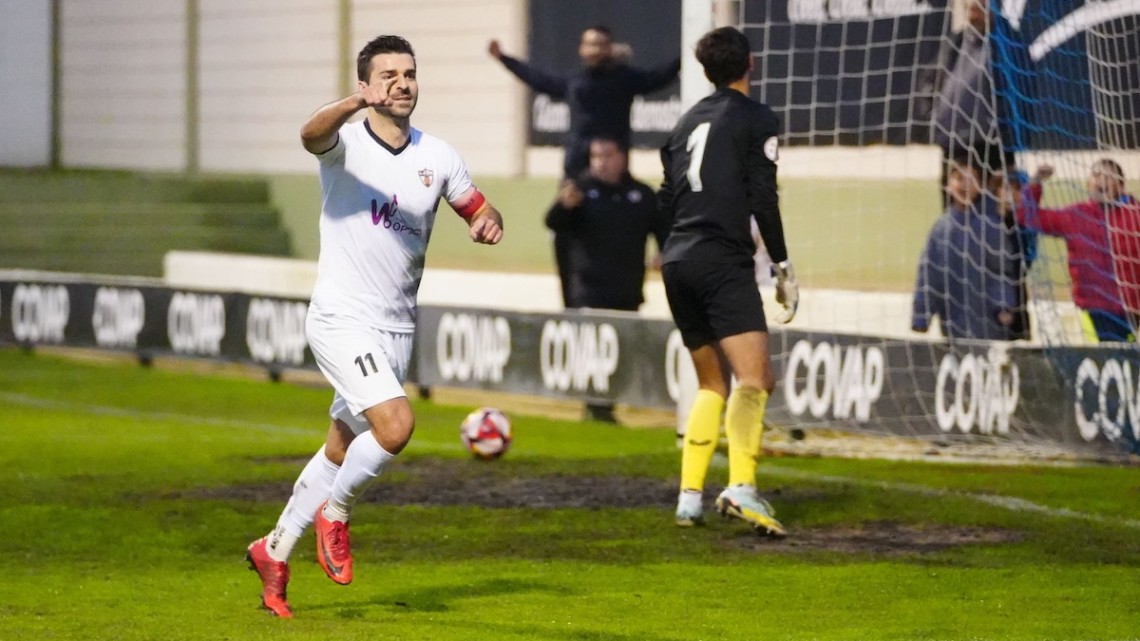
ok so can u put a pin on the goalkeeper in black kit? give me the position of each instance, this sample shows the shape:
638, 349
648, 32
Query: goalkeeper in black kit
720, 171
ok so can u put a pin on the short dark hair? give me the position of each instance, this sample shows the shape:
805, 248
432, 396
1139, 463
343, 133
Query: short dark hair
379, 45
605, 138
963, 160
724, 53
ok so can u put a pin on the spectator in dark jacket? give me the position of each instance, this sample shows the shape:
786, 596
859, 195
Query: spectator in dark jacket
1100, 236
605, 218
971, 272
600, 96
982, 91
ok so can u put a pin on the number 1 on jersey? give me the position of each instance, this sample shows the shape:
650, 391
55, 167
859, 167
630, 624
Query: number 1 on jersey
696, 148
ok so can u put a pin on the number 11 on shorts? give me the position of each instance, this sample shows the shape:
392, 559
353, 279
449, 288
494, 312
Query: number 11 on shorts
371, 363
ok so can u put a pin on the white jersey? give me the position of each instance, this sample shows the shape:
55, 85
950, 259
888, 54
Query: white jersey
378, 209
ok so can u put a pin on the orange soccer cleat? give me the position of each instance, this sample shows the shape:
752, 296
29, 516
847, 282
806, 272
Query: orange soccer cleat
333, 550
274, 577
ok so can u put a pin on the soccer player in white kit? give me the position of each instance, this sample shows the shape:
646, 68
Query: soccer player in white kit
381, 182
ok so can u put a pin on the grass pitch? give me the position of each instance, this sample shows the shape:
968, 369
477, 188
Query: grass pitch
129, 495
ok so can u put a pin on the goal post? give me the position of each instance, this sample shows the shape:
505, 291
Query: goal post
858, 86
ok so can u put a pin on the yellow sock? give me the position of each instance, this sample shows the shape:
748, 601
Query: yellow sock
744, 423
701, 432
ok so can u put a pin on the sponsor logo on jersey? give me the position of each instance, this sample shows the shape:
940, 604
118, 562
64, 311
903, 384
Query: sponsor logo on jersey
383, 215
388, 217
426, 176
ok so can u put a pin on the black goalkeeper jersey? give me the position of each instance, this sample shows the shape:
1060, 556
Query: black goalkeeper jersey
720, 168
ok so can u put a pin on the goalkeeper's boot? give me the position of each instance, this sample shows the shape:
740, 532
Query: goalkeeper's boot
274, 577
333, 549
690, 512
742, 501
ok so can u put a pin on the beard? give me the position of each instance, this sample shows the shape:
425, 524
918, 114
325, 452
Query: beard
400, 110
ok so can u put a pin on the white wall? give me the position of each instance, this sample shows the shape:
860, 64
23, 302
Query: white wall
261, 71
885, 314
123, 84
25, 83
263, 67
466, 97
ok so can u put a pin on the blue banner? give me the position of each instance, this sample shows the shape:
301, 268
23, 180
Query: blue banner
1069, 73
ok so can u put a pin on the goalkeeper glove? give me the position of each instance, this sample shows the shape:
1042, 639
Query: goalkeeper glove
787, 291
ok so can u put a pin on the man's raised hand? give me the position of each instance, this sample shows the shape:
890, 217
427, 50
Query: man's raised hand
379, 94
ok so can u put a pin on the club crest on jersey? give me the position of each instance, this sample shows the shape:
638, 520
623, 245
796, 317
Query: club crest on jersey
426, 176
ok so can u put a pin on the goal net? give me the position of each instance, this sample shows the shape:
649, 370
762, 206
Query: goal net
883, 102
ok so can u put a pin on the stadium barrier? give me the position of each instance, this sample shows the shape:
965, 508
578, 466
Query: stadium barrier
973, 392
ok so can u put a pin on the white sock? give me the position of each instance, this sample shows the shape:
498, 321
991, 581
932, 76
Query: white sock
363, 462
312, 488
689, 499
281, 544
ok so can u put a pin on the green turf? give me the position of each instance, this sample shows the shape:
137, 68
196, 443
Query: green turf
114, 530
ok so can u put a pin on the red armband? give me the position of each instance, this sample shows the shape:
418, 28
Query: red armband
469, 204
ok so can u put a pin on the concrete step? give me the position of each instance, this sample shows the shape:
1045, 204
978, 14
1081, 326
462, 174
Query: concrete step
112, 186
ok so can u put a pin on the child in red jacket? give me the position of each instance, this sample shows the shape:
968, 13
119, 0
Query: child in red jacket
1102, 235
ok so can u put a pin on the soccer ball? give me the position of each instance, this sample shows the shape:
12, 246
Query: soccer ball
486, 433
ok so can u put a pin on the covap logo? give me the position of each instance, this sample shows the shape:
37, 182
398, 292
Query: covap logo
577, 355
830, 379
196, 323
977, 392
40, 313
1107, 400
118, 317
275, 331
472, 347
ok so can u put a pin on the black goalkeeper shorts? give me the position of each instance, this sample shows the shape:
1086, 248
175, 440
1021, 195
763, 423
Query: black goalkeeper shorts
712, 301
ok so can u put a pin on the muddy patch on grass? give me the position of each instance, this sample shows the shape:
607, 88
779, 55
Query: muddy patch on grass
880, 538
431, 481
450, 482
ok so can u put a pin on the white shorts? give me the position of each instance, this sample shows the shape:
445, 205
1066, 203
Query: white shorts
366, 366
